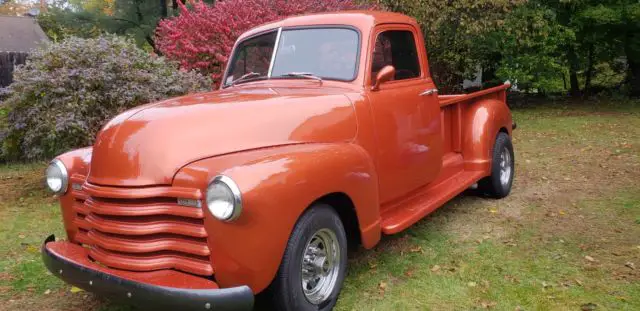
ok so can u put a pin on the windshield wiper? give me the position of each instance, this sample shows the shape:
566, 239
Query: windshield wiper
246, 77
307, 75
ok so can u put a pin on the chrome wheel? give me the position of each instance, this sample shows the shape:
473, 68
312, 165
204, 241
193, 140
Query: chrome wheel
320, 266
505, 167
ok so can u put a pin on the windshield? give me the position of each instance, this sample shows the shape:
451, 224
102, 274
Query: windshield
328, 53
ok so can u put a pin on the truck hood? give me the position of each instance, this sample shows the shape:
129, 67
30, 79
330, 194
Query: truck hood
149, 144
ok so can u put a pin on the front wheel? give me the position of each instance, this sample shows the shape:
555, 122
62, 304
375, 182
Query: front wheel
314, 264
498, 184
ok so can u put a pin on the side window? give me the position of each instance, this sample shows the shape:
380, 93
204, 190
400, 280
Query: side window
253, 55
398, 49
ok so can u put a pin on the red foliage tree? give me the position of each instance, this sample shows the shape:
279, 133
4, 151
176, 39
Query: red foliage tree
202, 36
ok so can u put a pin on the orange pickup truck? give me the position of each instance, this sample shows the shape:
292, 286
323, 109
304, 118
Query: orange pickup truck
327, 132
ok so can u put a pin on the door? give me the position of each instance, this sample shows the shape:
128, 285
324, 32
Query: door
406, 114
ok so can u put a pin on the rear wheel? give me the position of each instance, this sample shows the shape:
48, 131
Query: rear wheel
498, 184
314, 264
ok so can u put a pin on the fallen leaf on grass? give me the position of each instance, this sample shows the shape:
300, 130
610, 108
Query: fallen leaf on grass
472, 284
589, 258
382, 286
76, 289
488, 304
511, 279
588, 306
579, 282
6, 276
630, 265
435, 268
417, 249
33, 249
409, 272
47, 292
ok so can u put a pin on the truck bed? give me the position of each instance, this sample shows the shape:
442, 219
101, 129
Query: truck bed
452, 108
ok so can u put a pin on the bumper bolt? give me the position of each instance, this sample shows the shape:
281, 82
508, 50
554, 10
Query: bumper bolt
207, 306
90, 282
60, 271
129, 294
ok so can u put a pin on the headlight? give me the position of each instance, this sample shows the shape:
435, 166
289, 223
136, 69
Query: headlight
57, 177
223, 198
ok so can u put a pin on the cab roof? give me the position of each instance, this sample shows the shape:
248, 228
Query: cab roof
362, 20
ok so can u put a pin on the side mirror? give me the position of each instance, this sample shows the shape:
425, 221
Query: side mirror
386, 74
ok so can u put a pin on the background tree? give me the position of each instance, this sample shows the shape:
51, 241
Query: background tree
89, 18
577, 47
202, 36
614, 28
601, 40
66, 92
532, 45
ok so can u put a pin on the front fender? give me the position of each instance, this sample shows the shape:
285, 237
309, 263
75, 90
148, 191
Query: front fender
77, 163
277, 185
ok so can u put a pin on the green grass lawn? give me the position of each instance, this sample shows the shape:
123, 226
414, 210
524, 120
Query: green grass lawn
567, 238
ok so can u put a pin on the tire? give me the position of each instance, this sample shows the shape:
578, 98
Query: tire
498, 184
316, 226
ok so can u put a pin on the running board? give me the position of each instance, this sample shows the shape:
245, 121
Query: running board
421, 204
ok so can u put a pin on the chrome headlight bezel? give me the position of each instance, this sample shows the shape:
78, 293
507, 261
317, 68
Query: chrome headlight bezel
64, 177
234, 199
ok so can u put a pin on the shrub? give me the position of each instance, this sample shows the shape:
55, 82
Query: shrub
66, 91
202, 36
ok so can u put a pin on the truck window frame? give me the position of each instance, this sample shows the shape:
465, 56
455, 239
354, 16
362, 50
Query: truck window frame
300, 27
416, 41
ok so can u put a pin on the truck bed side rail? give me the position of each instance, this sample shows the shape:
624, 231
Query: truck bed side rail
446, 100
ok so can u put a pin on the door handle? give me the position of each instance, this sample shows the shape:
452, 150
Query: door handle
429, 92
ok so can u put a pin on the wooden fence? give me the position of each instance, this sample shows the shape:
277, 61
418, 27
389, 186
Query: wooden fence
8, 61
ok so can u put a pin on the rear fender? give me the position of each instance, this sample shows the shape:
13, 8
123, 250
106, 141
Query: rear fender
277, 185
483, 120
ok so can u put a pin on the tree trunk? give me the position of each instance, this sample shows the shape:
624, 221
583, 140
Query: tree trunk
633, 72
163, 9
574, 66
174, 6
153, 45
589, 74
633, 76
